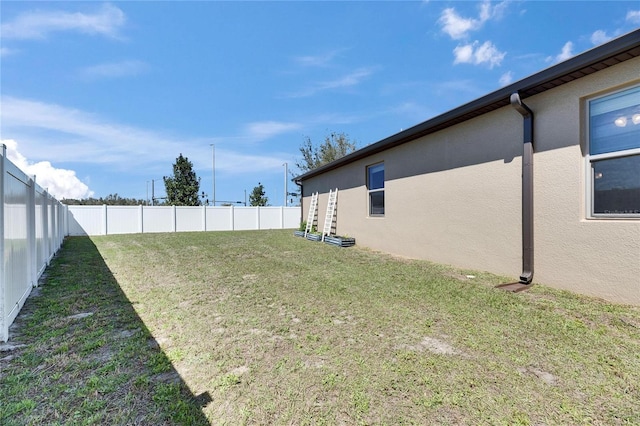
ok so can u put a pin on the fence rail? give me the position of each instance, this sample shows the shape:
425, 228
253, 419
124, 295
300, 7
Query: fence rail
32, 227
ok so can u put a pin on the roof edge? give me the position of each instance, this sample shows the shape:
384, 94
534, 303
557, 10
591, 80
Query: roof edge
493, 100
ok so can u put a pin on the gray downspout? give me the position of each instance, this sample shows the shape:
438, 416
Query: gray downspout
299, 183
527, 189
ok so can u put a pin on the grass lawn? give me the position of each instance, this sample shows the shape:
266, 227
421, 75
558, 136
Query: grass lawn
267, 328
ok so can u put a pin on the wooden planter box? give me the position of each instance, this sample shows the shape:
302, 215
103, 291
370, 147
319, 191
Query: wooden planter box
339, 241
298, 233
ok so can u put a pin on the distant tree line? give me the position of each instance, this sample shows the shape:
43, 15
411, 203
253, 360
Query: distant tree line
110, 200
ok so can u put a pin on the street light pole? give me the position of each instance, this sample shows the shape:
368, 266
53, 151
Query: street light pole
286, 191
213, 171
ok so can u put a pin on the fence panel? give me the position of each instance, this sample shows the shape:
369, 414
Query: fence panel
30, 234
189, 219
292, 217
17, 274
123, 219
220, 218
246, 218
101, 220
86, 220
271, 217
158, 219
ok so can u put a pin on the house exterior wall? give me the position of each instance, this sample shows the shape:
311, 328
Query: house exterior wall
454, 197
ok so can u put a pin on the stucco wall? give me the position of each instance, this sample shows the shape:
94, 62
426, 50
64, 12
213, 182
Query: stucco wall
455, 197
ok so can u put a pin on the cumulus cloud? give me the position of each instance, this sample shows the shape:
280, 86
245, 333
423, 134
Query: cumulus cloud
114, 69
565, 53
506, 78
476, 53
458, 27
106, 21
61, 183
600, 37
633, 16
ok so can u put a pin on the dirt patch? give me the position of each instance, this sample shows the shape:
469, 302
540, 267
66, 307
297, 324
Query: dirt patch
433, 345
545, 376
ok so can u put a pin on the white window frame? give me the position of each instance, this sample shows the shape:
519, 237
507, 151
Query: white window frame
371, 191
589, 175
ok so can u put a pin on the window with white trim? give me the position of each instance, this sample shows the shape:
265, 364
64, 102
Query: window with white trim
614, 154
375, 187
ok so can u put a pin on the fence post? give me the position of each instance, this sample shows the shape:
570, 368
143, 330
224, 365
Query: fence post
204, 217
174, 218
4, 326
258, 217
141, 219
32, 256
104, 219
45, 227
232, 218
281, 217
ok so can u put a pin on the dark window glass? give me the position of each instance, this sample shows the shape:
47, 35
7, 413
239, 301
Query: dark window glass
616, 185
376, 176
376, 203
375, 185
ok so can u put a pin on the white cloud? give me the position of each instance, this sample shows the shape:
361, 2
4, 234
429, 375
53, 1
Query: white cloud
81, 137
633, 16
565, 53
458, 27
349, 80
105, 21
61, 183
506, 79
477, 54
599, 37
5, 51
115, 69
262, 130
321, 60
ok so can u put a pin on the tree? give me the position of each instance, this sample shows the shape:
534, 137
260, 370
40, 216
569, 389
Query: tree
257, 196
182, 188
111, 200
335, 145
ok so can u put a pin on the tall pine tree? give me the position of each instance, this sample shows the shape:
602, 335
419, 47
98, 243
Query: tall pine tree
257, 196
182, 188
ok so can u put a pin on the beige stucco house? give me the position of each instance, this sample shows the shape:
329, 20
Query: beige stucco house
455, 189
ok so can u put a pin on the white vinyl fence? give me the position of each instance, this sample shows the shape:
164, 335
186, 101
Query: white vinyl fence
109, 220
32, 227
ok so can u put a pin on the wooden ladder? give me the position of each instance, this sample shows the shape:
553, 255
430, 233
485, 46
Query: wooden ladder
329, 218
312, 217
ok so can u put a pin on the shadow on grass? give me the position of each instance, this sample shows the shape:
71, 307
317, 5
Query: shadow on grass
81, 354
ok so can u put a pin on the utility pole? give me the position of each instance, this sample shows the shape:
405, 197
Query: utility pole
213, 171
286, 191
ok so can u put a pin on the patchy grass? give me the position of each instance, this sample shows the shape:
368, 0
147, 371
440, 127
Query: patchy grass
79, 354
275, 329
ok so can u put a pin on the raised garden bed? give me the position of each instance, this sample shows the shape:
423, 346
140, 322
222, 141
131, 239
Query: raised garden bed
298, 233
314, 237
339, 241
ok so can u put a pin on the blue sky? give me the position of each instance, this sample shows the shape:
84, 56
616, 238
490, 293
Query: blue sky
101, 97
